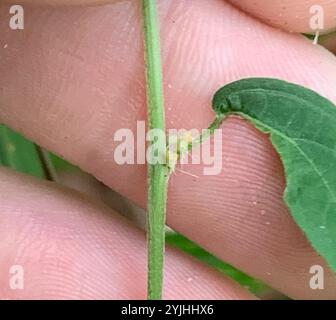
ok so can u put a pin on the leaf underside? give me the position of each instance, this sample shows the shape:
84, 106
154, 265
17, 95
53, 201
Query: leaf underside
302, 128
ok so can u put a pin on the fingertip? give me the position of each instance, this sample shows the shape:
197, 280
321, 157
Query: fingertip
62, 2
71, 247
295, 16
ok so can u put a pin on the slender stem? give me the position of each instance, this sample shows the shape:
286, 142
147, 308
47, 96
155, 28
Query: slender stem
211, 129
158, 174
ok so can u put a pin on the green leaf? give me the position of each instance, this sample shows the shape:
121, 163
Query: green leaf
302, 128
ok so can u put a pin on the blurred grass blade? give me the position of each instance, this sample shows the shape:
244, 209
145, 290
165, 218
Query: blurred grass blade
189, 247
20, 154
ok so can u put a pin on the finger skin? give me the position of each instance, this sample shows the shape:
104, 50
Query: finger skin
82, 77
73, 248
62, 2
290, 15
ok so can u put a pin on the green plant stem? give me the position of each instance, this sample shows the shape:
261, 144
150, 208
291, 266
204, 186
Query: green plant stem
158, 175
211, 129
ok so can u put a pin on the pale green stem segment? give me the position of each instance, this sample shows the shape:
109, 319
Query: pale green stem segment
158, 174
211, 129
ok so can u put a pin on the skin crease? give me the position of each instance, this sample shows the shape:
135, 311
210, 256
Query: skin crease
77, 68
